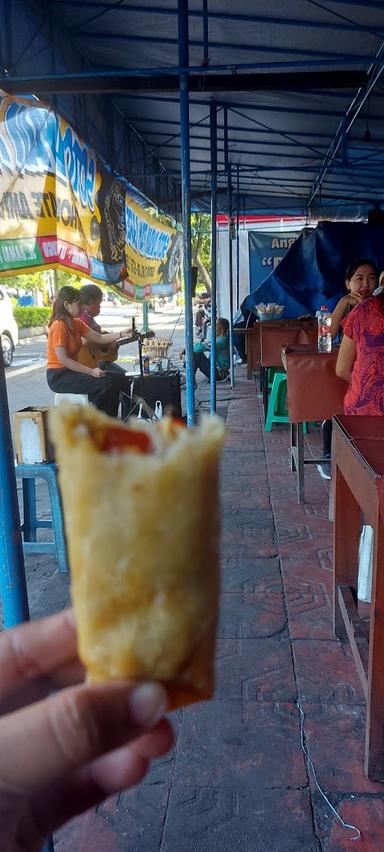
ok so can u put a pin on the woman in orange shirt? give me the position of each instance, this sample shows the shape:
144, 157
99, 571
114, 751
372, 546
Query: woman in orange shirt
65, 374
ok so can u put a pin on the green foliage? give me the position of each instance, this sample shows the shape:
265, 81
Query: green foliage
29, 281
40, 280
201, 237
64, 278
31, 317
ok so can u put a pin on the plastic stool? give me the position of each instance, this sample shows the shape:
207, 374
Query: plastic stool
73, 398
28, 473
277, 412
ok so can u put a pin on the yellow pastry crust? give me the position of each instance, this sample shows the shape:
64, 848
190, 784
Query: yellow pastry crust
143, 540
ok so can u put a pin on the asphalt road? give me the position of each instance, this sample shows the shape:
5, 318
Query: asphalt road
26, 382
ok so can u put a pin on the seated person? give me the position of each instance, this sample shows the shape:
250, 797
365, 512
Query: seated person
90, 302
65, 374
200, 360
360, 281
361, 358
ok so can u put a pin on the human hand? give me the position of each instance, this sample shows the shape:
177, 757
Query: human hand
126, 332
97, 373
62, 754
355, 298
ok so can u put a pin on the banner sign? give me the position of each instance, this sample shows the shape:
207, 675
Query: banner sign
153, 253
61, 206
265, 253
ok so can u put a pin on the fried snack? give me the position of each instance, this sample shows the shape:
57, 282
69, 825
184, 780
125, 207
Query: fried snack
142, 522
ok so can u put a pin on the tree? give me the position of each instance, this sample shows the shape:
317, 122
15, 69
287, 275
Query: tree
201, 248
41, 280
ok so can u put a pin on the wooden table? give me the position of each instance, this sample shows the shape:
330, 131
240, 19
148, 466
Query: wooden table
314, 392
274, 334
358, 457
252, 347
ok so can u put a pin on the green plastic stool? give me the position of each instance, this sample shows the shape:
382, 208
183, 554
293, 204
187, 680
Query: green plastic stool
277, 410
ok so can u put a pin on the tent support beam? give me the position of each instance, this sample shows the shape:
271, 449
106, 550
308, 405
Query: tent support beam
213, 126
374, 74
13, 585
156, 80
230, 263
186, 206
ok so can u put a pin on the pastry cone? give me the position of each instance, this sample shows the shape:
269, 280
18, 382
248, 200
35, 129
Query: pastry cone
142, 523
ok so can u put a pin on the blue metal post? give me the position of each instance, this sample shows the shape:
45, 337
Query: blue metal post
186, 205
237, 242
230, 264
13, 586
205, 34
213, 127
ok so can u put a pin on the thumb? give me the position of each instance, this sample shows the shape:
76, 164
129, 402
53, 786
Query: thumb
43, 742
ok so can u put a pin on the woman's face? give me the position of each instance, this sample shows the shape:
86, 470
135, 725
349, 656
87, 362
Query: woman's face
73, 308
363, 281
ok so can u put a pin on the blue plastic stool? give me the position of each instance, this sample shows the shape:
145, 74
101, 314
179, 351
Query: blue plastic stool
28, 473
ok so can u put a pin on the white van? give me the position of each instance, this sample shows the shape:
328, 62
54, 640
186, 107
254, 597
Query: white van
8, 328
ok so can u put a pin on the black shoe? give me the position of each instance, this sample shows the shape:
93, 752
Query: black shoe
325, 469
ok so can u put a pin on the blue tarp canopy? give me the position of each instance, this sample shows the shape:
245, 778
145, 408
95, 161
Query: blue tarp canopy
312, 273
297, 86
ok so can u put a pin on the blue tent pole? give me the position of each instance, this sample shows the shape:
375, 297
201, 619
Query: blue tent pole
13, 586
237, 242
213, 128
230, 263
186, 205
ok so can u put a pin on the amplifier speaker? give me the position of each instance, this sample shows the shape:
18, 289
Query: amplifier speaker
160, 386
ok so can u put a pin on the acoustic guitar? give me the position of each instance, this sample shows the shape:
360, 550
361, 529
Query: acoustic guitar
91, 354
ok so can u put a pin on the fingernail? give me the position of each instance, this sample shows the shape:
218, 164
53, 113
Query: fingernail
148, 703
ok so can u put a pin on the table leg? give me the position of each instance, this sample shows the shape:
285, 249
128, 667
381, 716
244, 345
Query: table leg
248, 351
300, 462
346, 532
374, 741
292, 428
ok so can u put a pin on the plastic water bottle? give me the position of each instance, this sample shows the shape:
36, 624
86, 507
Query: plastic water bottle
158, 410
324, 336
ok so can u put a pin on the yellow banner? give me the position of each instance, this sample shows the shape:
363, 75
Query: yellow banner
153, 254
60, 206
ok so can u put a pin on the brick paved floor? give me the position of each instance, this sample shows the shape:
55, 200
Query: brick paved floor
237, 778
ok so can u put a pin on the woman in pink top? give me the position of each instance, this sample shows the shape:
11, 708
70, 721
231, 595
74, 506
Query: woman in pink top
361, 358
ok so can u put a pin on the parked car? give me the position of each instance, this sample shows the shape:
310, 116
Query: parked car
8, 328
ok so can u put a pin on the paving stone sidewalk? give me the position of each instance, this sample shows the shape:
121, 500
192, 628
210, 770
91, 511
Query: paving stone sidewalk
238, 778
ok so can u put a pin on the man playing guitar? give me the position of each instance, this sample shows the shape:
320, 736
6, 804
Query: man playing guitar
101, 356
98, 356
